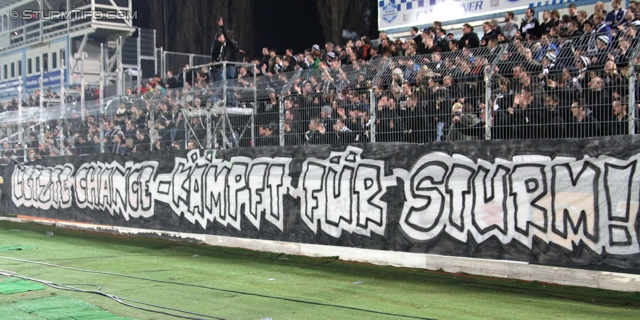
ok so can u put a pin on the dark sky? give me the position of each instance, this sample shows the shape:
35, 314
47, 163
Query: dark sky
278, 24
283, 24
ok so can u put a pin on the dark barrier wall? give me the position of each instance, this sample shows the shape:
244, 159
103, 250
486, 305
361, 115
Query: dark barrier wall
569, 203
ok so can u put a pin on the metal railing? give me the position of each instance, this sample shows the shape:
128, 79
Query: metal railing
570, 89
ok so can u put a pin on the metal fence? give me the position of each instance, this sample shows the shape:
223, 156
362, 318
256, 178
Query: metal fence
571, 88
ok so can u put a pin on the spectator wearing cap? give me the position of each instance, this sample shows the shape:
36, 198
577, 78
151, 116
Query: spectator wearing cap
326, 113
616, 16
548, 64
530, 25
600, 57
582, 77
469, 38
329, 47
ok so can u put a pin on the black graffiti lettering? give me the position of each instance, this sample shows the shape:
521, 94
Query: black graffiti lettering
133, 182
527, 186
119, 190
275, 183
196, 194
238, 193
146, 197
312, 184
104, 188
256, 181
489, 210
43, 190
55, 185
17, 185
458, 187
181, 179
216, 192
81, 186
577, 206
338, 193
66, 181
426, 189
620, 177
366, 187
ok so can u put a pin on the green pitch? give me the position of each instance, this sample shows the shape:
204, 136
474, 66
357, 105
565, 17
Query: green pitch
240, 284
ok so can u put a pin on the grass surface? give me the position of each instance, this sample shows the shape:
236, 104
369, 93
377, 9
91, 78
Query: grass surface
241, 284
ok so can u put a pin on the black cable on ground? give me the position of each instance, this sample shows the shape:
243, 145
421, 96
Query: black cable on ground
218, 289
69, 287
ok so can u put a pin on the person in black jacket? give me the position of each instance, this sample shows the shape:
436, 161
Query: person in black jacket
584, 124
469, 38
267, 137
530, 25
222, 49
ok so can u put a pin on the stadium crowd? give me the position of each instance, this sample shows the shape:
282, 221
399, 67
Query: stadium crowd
562, 77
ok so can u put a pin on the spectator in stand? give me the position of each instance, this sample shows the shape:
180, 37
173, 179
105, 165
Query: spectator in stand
488, 33
530, 25
574, 30
510, 28
267, 138
469, 38
415, 35
584, 124
548, 22
598, 8
620, 123
616, 16
442, 43
600, 26
573, 12
291, 137
222, 49
582, 18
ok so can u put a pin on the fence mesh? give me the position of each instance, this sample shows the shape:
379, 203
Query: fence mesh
566, 88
